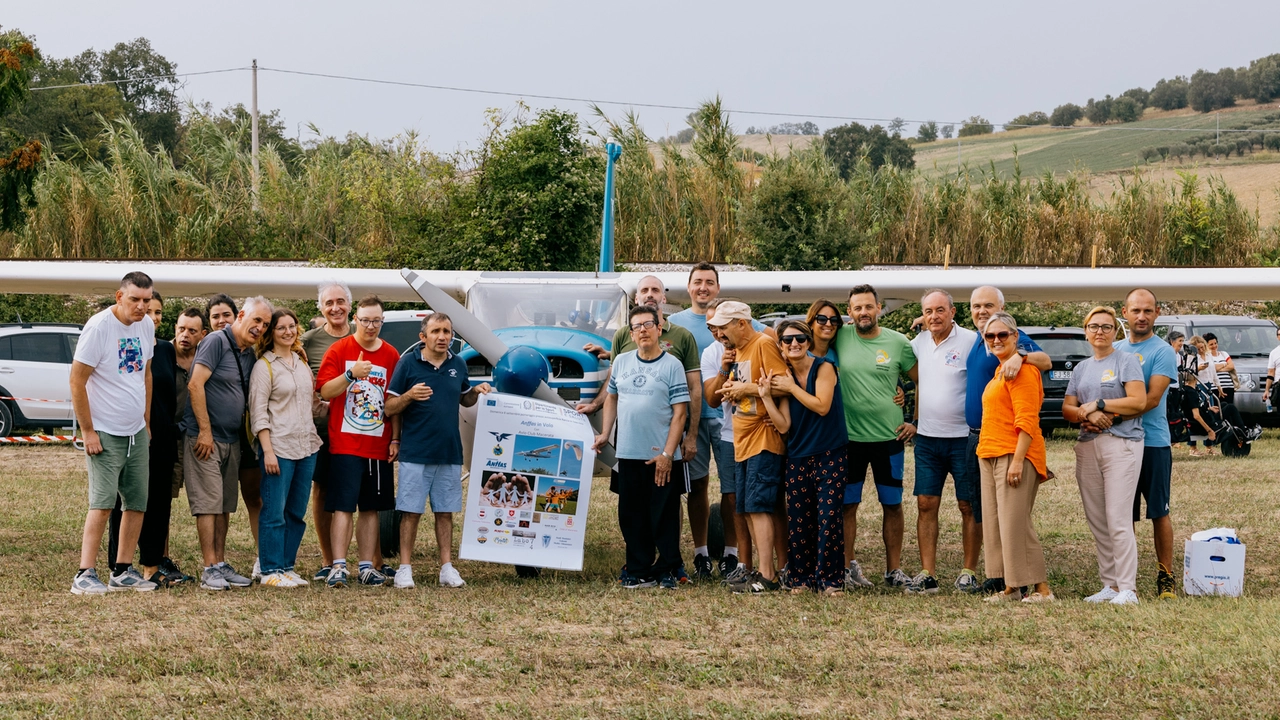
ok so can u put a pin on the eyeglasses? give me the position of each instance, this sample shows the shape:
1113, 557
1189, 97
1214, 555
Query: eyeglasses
793, 339
1095, 328
646, 325
369, 322
825, 319
1001, 336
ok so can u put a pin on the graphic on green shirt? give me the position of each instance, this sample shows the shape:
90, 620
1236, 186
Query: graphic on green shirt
869, 371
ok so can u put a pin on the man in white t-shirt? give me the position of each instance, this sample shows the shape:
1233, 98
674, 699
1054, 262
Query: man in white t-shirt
942, 439
1273, 362
111, 394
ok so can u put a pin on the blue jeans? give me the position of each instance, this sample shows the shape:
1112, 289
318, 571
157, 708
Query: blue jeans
283, 518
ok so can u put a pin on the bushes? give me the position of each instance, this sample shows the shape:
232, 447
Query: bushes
847, 145
1272, 142
1169, 94
976, 125
1066, 115
1028, 120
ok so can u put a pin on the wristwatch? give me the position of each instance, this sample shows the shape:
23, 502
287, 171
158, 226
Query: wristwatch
667, 455
350, 376
1022, 353
1102, 405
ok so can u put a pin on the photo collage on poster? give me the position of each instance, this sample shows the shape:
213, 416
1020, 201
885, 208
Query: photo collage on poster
535, 496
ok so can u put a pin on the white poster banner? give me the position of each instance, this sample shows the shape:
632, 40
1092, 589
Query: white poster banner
530, 484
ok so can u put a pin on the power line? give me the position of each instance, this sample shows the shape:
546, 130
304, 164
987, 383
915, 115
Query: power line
136, 79
659, 106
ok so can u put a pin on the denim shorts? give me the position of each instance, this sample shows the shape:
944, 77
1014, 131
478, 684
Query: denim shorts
938, 457
759, 483
708, 434
885, 459
443, 483
726, 466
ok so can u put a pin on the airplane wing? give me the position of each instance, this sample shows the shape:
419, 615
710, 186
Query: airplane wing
207, 279
895, 286
1018, 284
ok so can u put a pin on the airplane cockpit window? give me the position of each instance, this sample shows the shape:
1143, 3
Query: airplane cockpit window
589, 308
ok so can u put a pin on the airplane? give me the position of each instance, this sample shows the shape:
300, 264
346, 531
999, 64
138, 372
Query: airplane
541, 453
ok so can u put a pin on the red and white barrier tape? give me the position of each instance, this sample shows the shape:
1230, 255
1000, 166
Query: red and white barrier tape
5, 397
34, 439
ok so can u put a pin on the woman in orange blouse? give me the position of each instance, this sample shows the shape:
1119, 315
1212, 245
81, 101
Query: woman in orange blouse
1011, 458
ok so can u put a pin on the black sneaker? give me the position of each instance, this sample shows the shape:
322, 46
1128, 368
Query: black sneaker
632, 582
1164, 584
923, 584
757, 585
897, 578
668, 581
701, 567
728, 564
173, 572
991, 586
387, 571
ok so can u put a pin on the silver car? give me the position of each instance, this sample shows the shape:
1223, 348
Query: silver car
1247, 340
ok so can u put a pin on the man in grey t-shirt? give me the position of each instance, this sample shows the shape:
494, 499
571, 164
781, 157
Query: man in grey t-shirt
213, 422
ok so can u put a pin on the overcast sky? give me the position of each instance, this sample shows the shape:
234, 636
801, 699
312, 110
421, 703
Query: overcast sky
916, 60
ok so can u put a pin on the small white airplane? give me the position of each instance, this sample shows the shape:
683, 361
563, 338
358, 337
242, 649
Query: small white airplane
541, 453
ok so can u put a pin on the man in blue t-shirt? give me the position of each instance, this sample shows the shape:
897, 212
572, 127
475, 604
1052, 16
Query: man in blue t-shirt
648, 397
980, 368
704, 288
1159, 368
426, 390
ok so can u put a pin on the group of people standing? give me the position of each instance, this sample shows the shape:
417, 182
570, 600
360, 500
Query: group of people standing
795, 416
244, 404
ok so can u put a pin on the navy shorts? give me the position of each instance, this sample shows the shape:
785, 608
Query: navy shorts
357, 483
759, 483
938, 457
971, 458
1154, 483
885, 460
726, 466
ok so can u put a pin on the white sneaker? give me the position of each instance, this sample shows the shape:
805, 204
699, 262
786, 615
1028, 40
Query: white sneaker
449, 577
257, 570
277, 580
1106, 594
296, 578
1125, 597
404, 578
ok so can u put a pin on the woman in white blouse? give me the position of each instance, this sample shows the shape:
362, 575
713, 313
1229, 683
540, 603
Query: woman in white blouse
281, 401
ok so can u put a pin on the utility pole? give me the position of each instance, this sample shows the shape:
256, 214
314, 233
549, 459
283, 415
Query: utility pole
254, 146
1217, 118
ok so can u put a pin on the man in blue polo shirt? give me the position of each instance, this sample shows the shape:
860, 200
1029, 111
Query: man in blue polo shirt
980, 368
1159, 368
426, 390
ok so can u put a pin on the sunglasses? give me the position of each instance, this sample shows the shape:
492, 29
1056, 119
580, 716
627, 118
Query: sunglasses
793, 339
824, 319
1001, 336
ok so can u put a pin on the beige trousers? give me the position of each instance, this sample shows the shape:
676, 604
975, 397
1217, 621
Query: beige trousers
1010, 545
1107, 470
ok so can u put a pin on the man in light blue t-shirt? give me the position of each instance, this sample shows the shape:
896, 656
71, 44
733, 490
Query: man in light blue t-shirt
704, 288
1159, 368
648, 396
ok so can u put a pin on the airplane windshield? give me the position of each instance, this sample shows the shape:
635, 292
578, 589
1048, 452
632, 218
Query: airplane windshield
588, 307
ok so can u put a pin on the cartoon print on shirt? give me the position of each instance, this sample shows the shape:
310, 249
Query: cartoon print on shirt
130, 355
363, 412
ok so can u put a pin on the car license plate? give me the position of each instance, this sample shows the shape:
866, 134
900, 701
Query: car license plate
1059, 374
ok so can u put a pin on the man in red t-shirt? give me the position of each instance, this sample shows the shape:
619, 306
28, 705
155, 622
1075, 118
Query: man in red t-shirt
363, 442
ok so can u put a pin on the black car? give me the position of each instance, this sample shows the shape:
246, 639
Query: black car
1066, 347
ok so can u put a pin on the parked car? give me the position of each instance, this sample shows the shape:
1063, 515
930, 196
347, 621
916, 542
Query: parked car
1066, 347
35, 365
1248, 341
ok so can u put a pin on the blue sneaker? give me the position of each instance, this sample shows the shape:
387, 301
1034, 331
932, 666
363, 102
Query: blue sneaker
631, 582
667, 582
322, 574
130, 579
682, 577
338, 577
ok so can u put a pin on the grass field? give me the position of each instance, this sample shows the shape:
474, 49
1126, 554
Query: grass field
577, 645
1106, 149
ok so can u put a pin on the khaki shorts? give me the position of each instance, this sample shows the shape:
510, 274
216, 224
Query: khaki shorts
212, 483
122, 468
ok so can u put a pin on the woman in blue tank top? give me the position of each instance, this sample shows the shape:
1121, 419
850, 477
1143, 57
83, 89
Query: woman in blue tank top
816, 466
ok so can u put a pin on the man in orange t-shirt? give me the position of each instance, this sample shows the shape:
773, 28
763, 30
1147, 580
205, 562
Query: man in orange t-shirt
758, 447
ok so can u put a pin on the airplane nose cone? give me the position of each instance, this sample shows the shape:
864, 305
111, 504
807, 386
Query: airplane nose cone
520, 370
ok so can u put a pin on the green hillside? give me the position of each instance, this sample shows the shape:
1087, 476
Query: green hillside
1098, 149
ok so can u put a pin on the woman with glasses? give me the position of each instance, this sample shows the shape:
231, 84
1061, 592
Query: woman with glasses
280, 413
816, 464
1011, 459
825, 321
1107, 396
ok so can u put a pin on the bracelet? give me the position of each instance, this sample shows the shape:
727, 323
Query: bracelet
724, 373
395, 442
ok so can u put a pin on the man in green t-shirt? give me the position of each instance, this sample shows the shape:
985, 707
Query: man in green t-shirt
872, 359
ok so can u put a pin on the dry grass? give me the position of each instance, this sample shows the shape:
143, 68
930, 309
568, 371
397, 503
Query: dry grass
576, 645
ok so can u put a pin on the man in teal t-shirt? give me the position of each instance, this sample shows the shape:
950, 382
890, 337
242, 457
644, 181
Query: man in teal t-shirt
872, 359
1159, 369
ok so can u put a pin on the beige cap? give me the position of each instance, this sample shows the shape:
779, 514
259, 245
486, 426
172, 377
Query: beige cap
728, 311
